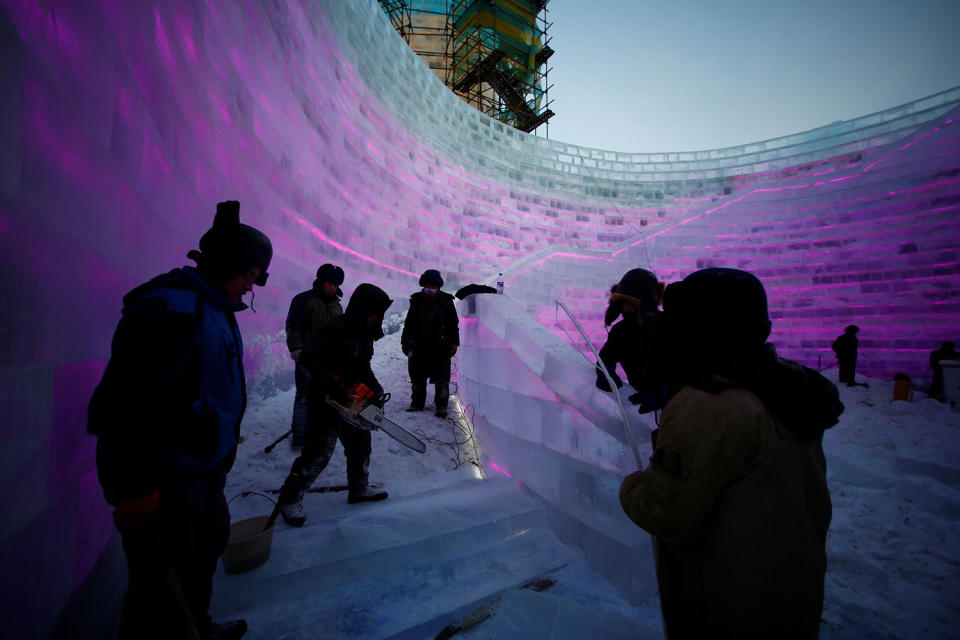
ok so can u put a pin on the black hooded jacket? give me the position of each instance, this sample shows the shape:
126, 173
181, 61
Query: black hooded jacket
634, 347
432, 325
339, 356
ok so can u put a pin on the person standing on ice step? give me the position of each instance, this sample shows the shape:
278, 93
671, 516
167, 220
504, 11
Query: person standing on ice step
430, 338
634, 340
337, 360
736, 490
167, 418
308, 311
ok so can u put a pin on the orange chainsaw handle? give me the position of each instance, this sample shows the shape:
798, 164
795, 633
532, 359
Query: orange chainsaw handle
360, 393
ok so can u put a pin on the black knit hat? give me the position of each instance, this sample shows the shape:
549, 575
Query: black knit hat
229, 248
431, 278
330, 273
718, 311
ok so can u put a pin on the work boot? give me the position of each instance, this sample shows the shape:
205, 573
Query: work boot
229, 630
366, 495
293, 513
412, 408
441, 414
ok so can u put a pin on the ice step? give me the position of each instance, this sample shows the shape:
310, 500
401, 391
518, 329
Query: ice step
579, 592
375, 569
337, 531
385, 592
539, 616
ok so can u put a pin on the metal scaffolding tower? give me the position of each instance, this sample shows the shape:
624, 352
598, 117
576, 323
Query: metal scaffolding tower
492, 53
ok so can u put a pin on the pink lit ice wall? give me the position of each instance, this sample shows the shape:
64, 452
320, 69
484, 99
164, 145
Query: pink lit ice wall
123, 123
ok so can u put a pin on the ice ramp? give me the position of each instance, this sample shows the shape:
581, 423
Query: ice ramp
407, 567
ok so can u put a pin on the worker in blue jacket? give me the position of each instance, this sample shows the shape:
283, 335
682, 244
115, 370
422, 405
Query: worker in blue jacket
167, 417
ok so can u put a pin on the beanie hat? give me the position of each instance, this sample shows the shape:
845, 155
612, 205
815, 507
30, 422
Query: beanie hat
852, 328
229, 248
718, 313
330, 273
431, 278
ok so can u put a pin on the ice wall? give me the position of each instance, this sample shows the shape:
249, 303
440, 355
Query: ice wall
123, 123
540, 420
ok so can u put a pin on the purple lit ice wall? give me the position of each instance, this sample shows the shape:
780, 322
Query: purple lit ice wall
123, 123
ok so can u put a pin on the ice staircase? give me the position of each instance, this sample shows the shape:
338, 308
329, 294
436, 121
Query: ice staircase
409, 566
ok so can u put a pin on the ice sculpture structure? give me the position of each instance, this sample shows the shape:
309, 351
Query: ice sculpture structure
123, 123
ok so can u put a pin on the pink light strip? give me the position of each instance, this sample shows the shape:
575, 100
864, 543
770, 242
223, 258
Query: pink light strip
562, 254
323, 238
907, 146
777, 189
496, 467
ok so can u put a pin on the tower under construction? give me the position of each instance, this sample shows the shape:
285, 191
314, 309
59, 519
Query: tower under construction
491, 53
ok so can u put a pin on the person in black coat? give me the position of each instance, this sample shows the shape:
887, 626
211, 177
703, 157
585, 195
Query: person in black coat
945, 352
167, 418
430, 338
337, 360
632, 341
845, 346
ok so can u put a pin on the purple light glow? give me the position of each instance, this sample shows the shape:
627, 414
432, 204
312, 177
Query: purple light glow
130, 119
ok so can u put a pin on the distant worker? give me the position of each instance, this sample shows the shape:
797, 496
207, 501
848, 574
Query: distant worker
309, 310
945, 352
430, 338
736, 490
632, 341
845, 346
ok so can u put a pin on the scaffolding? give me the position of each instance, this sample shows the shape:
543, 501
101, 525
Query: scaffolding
491, 53
426, 25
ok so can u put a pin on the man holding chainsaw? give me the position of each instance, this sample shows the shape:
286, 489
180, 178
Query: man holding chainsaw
337, 360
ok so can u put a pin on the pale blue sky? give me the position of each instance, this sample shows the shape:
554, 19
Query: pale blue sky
676, 75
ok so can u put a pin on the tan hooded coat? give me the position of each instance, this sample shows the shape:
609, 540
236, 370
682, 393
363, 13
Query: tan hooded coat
740, 509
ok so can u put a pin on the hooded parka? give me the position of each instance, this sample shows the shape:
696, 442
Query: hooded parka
337, 358
736, 491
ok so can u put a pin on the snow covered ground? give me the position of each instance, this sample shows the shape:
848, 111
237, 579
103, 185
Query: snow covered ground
894, 473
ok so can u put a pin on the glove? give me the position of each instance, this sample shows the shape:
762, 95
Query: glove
453, 350
405, 348
136, 511
295, 354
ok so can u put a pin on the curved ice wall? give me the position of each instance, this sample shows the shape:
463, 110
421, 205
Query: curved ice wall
122, 123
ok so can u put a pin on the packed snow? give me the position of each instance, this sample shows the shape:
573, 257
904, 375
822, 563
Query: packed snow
893, 470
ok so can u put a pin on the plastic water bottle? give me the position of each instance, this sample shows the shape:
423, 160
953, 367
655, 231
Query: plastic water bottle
500, 283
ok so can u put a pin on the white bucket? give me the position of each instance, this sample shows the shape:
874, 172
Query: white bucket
951, 380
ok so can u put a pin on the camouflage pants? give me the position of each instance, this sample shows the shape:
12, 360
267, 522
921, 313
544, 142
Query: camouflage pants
299, 423
324, 427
